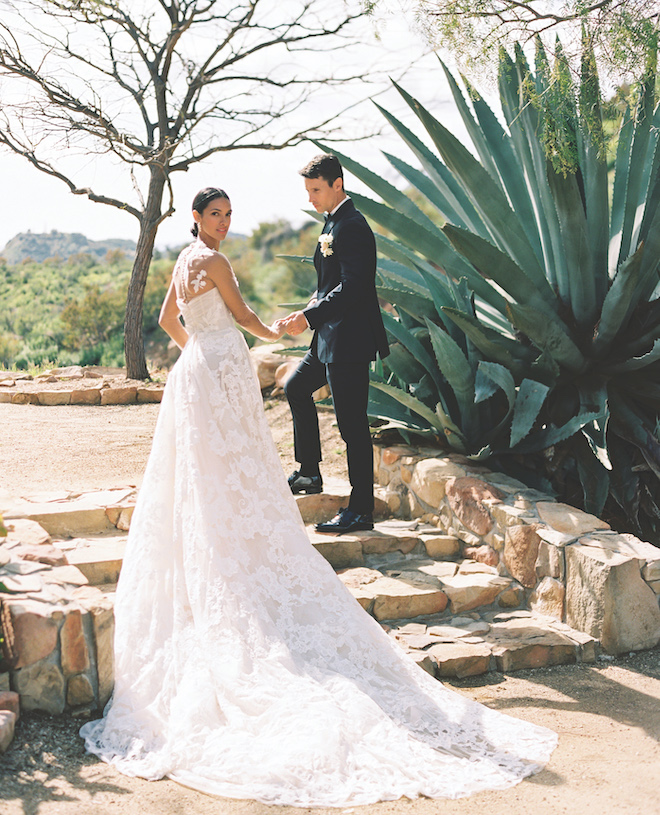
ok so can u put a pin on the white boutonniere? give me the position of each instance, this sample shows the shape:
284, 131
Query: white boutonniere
326, 244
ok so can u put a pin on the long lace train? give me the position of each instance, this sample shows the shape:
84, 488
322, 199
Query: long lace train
244, 667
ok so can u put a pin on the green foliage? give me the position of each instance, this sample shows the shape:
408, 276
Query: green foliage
526, 330
72, 312
621, 33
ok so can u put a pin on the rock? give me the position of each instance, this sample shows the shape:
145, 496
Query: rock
505, 515
378, 542
341, 552
266, 362
482, 554
86, 396
550, 649
7, 724
126, 395
10, 700
468, 591
79, 691
423, 660
549, 561
69, 575
48, 555
511, 598
440, 546
28, 532
428, 479
390, 455
150, 394
467, 497
35, 630
104, 630
358, 577
521, 546
553, 537
548, 598
391, 599
461, 659
75, 658
285, 370
19, 584
568, 520
41, 686
607, 598
22, 398
474, 567
54, 397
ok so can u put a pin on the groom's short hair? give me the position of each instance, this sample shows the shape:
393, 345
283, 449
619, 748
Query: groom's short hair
325, 166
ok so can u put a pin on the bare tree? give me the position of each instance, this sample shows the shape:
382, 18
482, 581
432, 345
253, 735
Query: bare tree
621, 31
158, 85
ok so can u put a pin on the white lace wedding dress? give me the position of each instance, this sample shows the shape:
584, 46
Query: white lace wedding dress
244, 668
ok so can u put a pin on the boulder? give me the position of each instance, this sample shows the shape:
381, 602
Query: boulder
266, 362
607, 598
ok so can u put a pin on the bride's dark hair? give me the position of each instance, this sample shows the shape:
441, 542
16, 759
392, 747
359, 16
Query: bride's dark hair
203, 199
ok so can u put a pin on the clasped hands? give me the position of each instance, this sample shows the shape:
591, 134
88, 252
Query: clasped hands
293, 324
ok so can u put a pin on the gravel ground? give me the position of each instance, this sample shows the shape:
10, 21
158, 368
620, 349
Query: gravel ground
607, 715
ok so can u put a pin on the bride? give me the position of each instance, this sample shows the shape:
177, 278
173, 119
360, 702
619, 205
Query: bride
244, 667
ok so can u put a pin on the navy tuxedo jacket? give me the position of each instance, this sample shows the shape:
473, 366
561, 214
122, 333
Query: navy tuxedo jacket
346, 315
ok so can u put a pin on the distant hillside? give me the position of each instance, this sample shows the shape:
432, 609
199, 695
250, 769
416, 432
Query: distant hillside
59, 244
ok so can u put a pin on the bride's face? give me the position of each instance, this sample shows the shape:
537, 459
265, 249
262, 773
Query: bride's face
214, 222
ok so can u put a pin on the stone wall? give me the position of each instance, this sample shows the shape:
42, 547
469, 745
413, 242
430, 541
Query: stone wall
59, 629
567, 564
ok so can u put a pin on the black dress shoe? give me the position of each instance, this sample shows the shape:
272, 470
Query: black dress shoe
311, 484
347, 521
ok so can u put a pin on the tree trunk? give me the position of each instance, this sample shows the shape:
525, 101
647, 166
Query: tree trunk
136, 364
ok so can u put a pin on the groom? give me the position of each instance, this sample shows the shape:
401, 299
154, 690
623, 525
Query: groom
348, 332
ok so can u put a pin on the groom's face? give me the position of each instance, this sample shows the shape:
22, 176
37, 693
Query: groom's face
323, 195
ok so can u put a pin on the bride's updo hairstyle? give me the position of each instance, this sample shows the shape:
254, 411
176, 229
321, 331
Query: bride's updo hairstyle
202, 200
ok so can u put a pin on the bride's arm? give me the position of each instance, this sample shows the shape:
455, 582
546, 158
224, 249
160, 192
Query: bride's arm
169, 318
220, 272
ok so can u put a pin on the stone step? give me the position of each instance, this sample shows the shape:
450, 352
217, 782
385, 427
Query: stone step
325, 505
389, 587
65, 515
99, 558
472, 644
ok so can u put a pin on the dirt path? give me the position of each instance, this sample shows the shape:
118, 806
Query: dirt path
77, 447
607, 715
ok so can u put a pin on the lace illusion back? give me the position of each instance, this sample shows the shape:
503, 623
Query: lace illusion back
244, 667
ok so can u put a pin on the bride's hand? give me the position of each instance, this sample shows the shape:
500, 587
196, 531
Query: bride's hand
278, 329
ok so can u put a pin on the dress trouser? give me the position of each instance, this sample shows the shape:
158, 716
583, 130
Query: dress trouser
349, 384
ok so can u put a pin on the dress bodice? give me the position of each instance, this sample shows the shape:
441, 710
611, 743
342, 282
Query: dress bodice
199, 301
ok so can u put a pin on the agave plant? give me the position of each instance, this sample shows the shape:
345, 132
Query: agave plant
526, 322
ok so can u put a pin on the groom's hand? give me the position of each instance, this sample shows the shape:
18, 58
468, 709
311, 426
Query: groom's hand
295, 323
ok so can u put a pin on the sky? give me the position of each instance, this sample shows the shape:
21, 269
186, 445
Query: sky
263, 185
